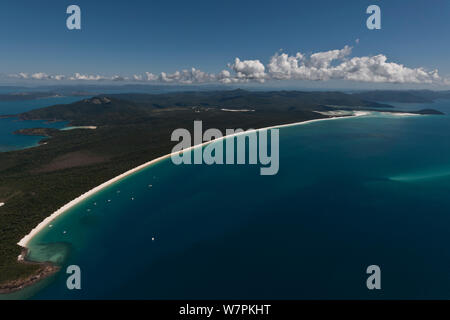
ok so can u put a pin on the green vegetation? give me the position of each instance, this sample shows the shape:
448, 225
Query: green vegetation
131, 129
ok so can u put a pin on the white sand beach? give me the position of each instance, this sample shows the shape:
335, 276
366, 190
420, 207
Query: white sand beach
79, 127
401, 114
26, 239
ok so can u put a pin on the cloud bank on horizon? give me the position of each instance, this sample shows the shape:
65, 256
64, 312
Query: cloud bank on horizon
319, 66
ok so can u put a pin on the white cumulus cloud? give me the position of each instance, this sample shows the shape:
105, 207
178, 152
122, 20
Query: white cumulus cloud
336, 64
248, 70
319, 66
91, 77
187, 76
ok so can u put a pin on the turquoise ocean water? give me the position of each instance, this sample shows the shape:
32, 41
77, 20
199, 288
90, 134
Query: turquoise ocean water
350, 193
10, 141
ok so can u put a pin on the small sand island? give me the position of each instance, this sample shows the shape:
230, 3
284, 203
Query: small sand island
79, 127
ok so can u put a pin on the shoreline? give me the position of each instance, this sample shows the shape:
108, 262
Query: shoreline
27, 238
46, 270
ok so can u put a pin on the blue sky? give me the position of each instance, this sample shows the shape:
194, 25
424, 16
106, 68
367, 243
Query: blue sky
133, 37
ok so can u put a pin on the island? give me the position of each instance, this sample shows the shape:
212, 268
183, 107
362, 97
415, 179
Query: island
131, 129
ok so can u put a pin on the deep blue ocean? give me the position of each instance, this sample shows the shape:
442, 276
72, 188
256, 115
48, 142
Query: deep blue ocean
349, 193
10, 141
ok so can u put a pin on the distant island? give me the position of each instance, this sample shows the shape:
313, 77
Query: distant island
405, 96
27, 96
132, 129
